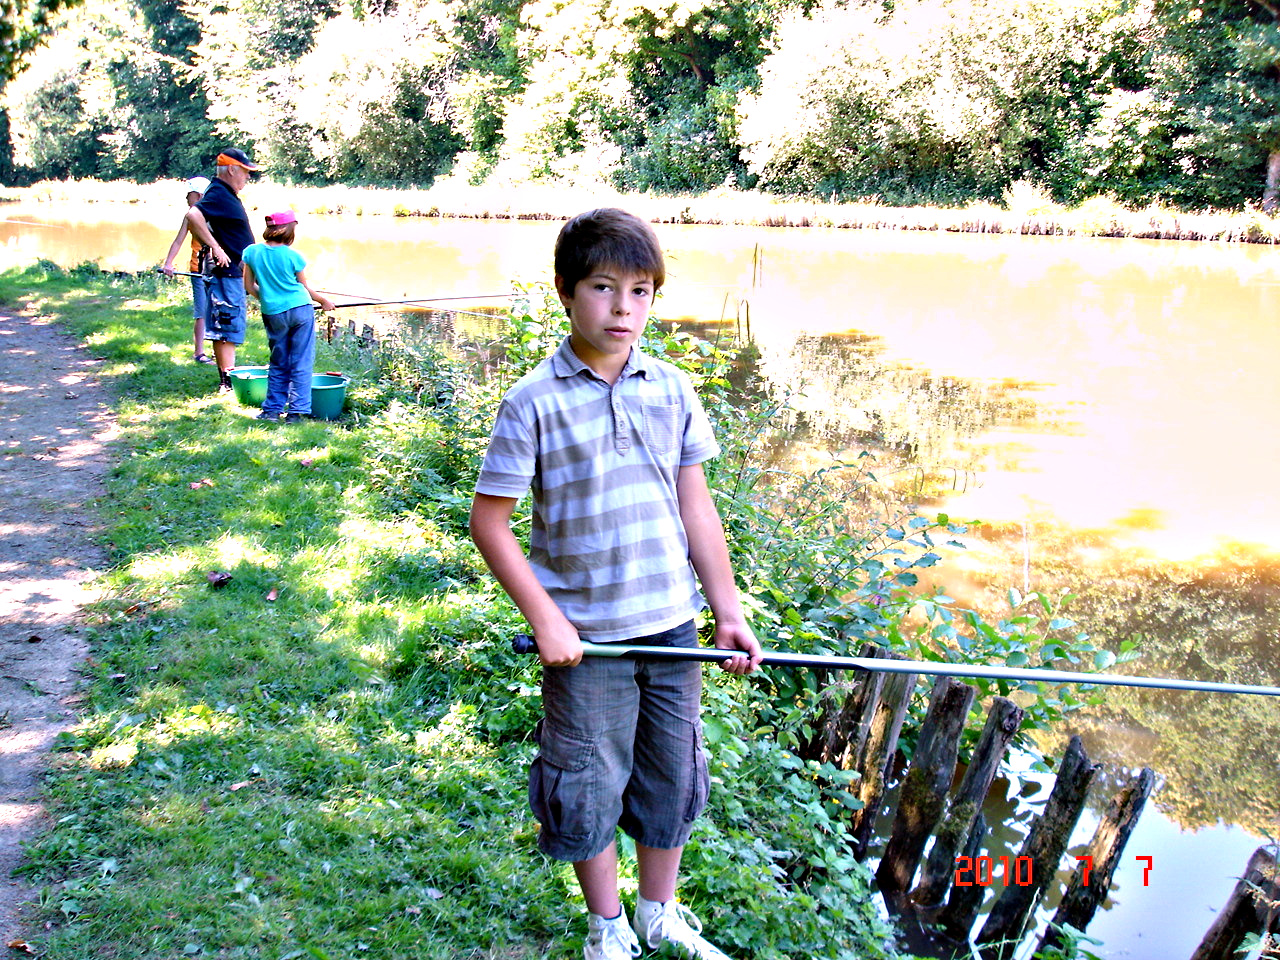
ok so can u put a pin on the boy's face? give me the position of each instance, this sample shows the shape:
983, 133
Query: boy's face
607, 311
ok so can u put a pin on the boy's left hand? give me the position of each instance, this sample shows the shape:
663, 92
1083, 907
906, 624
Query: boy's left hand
738, 636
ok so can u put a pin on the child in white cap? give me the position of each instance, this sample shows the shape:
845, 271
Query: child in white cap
196, 186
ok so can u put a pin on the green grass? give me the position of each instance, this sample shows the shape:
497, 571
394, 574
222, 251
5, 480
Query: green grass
340, 772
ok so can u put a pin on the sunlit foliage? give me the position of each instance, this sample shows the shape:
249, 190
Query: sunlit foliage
935, 101
23, 24
911, 102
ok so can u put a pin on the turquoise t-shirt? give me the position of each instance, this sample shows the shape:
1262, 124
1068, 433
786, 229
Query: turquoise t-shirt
276, 270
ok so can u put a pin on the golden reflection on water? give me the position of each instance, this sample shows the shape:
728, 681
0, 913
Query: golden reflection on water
1126, 387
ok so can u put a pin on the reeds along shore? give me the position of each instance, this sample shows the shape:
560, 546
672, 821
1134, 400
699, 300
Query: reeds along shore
1025, 210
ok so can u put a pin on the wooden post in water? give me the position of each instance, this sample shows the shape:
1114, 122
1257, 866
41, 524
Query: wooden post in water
1045, 845
1003, 719
956, 918
876, 756
1091, 880
1253, 907
924, 788
841, 738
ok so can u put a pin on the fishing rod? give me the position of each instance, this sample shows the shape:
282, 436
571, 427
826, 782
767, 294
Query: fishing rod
523, 643
370, 302
384, 303
32, 223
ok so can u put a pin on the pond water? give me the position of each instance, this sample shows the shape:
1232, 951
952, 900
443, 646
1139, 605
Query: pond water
1106, 407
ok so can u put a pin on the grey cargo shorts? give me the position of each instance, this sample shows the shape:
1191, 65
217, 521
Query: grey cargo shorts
620, 744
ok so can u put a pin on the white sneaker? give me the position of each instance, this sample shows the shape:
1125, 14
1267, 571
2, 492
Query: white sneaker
610, 939
675, 924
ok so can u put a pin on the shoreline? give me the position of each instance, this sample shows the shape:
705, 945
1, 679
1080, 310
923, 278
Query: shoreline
1025, 212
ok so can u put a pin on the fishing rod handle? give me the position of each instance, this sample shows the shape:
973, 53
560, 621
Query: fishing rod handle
524, 643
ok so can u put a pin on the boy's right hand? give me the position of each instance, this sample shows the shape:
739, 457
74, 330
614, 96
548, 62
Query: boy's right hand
559, 646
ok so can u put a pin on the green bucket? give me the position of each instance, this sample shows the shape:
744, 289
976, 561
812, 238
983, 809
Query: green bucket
328, 394
249, 384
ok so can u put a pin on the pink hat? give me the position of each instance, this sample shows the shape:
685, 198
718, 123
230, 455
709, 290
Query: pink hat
281, 218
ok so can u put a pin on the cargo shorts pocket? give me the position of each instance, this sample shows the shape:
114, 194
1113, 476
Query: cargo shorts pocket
562, 783
222, 316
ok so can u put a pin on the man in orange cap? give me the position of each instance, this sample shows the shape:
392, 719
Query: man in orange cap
220, 222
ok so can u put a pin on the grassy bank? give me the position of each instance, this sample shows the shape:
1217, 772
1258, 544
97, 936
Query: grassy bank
325, 757
1025, 210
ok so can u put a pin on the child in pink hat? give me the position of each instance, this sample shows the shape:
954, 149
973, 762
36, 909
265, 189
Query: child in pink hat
274, 274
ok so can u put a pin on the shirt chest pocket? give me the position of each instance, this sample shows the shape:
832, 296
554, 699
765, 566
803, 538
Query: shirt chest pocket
663, 430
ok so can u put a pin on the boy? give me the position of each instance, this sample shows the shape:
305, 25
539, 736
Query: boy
612, 443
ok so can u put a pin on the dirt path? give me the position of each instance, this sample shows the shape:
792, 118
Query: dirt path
54, 424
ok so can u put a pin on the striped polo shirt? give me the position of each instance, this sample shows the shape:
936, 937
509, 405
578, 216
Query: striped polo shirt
606, 541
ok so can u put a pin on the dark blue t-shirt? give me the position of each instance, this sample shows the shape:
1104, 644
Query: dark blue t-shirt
228, 223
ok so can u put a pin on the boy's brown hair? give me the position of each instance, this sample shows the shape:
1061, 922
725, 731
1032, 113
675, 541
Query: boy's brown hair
279, 234
607, 237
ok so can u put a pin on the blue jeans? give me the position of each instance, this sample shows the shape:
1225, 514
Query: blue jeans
200, 297
292, 336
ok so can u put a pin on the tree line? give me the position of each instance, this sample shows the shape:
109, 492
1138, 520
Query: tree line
906, 101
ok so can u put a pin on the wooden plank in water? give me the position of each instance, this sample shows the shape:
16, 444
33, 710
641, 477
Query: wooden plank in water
924, 789
876, 756
1254, 904
1003, 719
1045, 845
1082, 899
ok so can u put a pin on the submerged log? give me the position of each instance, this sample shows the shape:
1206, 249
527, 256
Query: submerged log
877, 755
1253, 907
1091, 880
924, 788
1045, 845
1003, 719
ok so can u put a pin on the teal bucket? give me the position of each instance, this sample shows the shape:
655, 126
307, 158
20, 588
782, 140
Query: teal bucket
249, 385
328, 394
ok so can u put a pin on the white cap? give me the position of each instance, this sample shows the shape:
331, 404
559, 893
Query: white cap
198, 185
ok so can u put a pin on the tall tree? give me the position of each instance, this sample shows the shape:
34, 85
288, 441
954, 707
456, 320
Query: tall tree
1220, 70
22, 25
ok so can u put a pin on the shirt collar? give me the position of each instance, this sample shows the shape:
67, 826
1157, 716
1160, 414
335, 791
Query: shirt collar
566, 363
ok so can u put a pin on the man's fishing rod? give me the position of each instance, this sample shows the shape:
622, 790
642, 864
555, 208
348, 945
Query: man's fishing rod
523, 643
